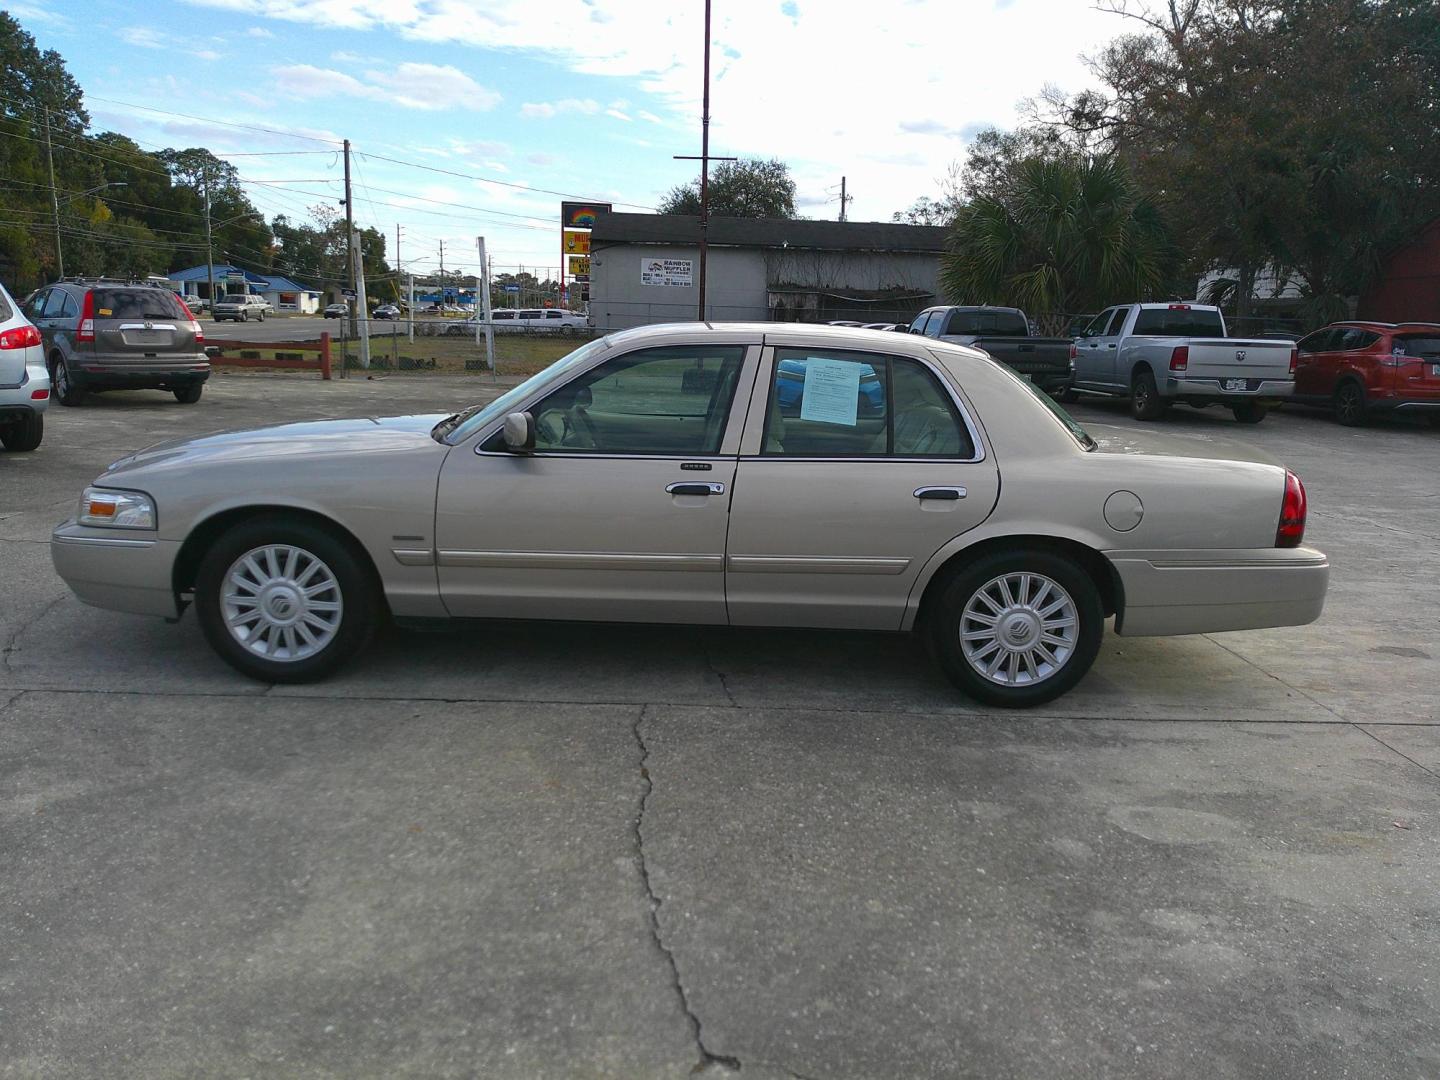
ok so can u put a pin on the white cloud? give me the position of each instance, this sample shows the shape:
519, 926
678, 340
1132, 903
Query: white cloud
543, 110
142, 37
205, 54
258, 32
35, 13
431, 87
873, 69
617, 114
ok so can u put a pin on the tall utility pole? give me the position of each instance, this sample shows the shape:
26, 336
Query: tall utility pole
704, 160
209, 247
442, 275
54, 200
843, 198
349, 244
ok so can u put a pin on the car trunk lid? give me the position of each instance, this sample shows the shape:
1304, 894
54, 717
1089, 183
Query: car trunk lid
1416, 363
141, 324
1238, 358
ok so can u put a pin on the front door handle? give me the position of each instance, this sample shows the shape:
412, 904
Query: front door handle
949, 494
693, 488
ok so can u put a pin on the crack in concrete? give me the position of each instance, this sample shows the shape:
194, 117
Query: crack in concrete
708, 1061
14, 639
1393, 750
1288, 685
720, 675
16, 696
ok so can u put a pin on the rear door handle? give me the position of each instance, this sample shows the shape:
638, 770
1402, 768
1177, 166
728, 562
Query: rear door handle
693, 488
1110, 346
949, 494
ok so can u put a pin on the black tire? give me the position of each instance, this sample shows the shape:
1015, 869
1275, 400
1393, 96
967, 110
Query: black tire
1068, 396
24, 434
260, 315
62, 384
1145, 400
947, 621
1350, 404
361, 609
1249, 412
188, 394
244, 316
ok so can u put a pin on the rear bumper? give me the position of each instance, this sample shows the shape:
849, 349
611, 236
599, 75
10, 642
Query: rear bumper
17, 402
1202, 592
1206, 387
121, 573
98, 375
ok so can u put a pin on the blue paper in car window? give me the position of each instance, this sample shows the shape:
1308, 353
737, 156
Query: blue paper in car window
832, 391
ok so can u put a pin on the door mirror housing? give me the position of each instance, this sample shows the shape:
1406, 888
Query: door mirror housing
520, 433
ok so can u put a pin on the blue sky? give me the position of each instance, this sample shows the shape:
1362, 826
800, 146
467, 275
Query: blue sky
585, 97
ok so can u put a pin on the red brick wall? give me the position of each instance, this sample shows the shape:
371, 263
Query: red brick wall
1408, 289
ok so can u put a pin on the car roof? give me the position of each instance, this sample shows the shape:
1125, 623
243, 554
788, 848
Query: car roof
780, 333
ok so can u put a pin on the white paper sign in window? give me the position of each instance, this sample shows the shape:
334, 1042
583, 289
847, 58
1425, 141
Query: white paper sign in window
832, 391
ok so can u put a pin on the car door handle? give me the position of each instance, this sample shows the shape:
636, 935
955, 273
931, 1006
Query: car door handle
949, 494
692, 488
1110, 346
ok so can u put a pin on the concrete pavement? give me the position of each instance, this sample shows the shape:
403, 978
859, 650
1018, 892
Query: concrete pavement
564, 851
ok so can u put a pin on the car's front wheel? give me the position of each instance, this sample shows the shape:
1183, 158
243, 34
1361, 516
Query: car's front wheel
285, 600
1350, 404
23, 434
1017, 628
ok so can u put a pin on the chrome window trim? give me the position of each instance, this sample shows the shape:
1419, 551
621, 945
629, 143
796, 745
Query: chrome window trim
942, 376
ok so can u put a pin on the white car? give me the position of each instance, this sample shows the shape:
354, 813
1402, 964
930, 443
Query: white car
241, 307
24, 381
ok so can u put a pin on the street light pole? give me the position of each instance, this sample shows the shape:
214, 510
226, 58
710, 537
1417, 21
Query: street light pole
54, 200
209, 245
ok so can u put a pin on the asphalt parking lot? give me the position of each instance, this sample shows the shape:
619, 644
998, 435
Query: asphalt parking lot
636, 852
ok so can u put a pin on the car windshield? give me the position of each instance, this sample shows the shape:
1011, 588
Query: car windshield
472, 420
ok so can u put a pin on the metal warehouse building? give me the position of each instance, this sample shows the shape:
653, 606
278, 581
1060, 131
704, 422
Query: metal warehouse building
644, 269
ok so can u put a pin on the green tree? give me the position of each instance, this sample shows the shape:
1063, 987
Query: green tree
750, 189
1058, 238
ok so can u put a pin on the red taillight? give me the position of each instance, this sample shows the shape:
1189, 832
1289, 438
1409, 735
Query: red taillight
39, 395
199, 334
1292, 513
1179, 307
22, 337
1294, 359
1074, 352
86, 330
1180, 358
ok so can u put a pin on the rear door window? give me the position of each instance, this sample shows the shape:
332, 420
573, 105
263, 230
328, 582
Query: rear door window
1318, 342
830, 403
1352, 339
1117, 322
54, 304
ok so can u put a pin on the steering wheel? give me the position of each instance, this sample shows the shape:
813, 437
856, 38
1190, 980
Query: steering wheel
589, 425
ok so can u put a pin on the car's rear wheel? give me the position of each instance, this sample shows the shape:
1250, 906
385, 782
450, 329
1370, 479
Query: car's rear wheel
1249, 412
1145, 400
1017, 628
63, 383
283, 600
1350, 404
23, 434
188, 395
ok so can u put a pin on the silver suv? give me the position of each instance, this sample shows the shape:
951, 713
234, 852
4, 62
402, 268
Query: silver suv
24, 382
110, 335
242, 307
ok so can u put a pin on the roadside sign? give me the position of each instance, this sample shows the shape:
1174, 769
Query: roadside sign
577, 242
349, 294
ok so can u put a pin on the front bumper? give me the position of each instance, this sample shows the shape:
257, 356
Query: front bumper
1207, 591
124, 572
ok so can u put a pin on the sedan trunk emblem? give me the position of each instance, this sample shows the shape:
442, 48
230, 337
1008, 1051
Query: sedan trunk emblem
1240, 355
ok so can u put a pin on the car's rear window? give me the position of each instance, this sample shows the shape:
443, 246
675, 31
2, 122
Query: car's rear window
998, 323
1426, 345
138, 304
1179, 322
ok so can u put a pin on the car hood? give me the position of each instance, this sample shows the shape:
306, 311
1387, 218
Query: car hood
1113, 439
310, 437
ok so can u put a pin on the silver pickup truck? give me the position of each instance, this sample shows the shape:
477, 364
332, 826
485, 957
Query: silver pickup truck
1161, 354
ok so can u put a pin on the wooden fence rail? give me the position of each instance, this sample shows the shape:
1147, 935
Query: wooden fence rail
226, 353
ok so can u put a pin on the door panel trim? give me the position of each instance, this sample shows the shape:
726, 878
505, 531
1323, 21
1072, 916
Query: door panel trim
581, 560
413, 556
788, 564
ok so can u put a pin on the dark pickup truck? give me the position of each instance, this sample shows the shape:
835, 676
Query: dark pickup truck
1004, 333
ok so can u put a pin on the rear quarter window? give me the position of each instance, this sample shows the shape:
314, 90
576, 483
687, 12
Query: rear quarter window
1179, 322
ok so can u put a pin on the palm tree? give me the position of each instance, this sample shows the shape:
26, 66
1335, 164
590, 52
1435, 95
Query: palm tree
1063, 236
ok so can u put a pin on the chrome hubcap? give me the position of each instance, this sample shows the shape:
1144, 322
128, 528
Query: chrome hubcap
1019, 629
281, 602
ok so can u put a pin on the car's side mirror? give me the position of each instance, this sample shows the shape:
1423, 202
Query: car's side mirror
520, 433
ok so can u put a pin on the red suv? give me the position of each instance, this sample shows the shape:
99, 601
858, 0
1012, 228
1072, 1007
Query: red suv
1363, 368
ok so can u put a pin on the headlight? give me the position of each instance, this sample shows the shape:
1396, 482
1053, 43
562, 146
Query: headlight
116, 509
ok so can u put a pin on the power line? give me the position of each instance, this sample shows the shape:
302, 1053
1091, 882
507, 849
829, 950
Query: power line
213, 120
492, 180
